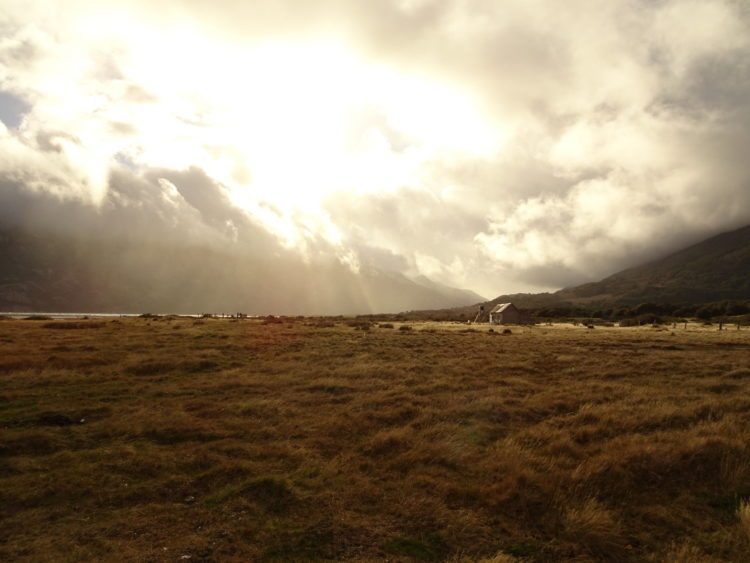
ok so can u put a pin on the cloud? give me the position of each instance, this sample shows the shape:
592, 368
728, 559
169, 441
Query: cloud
502, 146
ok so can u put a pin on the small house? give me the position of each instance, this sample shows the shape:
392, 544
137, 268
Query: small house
506, 314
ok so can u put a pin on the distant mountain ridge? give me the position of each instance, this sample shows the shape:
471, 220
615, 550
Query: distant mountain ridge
715, 269
44, 272
450, 293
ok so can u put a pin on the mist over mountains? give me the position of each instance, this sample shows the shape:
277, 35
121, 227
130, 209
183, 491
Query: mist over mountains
716, 269
69, 274
65, 274
174, 242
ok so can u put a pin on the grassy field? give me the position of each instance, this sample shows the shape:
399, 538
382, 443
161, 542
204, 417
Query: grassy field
219, 440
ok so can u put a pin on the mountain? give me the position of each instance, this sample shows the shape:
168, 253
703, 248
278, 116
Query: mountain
41, 272
449, 293
715, 269
712, 270
44, 272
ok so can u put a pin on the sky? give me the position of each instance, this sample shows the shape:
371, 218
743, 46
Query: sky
514, 146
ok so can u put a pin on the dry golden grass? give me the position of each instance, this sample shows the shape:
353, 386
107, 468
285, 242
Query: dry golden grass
743, 512
154, 439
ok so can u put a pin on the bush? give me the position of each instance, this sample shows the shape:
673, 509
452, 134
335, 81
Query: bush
649, 319
72, 325
707, 311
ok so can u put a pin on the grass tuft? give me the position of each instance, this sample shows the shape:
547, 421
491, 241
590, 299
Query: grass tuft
595, 528
740, 373
743, 514
71, 325
431, 548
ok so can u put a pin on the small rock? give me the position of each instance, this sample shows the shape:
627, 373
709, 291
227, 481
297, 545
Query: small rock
190, 500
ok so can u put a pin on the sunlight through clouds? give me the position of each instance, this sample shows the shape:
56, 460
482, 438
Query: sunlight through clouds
477, 142
274, 122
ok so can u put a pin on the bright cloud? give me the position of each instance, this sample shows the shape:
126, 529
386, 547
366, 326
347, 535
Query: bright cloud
277, 122
498, 146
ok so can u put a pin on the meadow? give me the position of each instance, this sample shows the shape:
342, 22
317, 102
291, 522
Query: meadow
181, 439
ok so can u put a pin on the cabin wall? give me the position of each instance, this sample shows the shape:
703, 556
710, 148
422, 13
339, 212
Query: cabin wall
510, 316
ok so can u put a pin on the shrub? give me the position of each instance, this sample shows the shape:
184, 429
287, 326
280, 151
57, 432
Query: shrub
740, 373
687, 553
200, 366
55, 419
499, 558
430, 548
72, 325
707, 311
649, 319
273, 494
150, 368
404, 328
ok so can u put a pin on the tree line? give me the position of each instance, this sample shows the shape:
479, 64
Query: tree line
648, 312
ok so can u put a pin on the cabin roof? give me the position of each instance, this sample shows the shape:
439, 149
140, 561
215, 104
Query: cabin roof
501, 307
